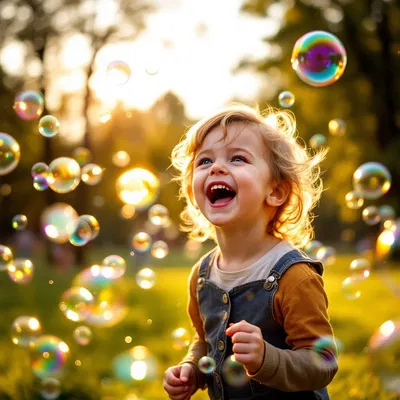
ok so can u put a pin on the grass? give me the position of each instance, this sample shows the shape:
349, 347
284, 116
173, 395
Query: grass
152, 316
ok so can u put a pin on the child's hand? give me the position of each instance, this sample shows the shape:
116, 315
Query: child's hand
248, 345
180, 382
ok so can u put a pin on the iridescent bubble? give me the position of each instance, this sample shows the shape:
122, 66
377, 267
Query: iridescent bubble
181, 338
137, 364
337, 127
141, 242
40, 169
50, 388
326, 349
21, 270
146, 278
371, 216
82, 156
58, 222
9, 153
25, 330
327, 255
158, 215
48, 356
138, 187
65, 175
354, 200
93, 224
312, 247
353, 286
388, 243
234, 373
19, 222
159, 249
117, 263
92, 174
29, 105
83, 335
286, 99
121, 159
81, 234
360, 268
49, 126
118, 72
319, 58
317, 140
6, 257
384, 353
40, 183
207, 365
372, 180
75, 303
387, 213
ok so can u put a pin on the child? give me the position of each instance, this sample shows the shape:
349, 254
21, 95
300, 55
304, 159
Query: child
250, 186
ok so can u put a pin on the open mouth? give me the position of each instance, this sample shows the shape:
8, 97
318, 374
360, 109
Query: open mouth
220, 194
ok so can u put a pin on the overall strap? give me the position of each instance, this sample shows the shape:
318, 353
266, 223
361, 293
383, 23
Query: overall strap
206, 262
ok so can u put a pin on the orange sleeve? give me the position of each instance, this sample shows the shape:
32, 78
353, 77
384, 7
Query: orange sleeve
301, 305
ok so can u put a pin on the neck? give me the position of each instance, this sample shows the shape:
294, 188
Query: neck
242, 247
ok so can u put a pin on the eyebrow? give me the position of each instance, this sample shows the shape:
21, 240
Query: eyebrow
232, 149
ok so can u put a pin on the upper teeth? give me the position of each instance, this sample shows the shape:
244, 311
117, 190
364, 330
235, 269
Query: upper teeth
214, 187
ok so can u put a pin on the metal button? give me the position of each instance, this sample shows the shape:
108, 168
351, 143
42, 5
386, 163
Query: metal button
271, 278
217, 380
224, 315
225, 298
200, 283
221, 345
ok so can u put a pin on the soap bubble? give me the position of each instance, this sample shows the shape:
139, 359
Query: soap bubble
92, 174
286, 99
9, 153
40, 169
121, 159
317, 140
21, 270
352, 286
319, 58
50, 388
387, 213
360, 268
207, 365
82, 156
6, 257
141, 242
118, 72
93, 224
181, 338
29, 105
48, 356
388, 242
234, 373
138, 187
327, 255
158, 215
146, 278
384, 352
81, 234
354, 200
19, 222
372, 180
159, 249
49, 126
326, 349
58, 222
40, 183
83, 335
25, 330
65, 175
116, 263
337, 127
312, 247
371, 216
75, 303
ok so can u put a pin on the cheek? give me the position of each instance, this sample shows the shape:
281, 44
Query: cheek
197, 185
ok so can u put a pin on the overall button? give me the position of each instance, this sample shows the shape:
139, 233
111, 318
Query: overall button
271, 278
225, 298
217, 380
221, 345
200, 283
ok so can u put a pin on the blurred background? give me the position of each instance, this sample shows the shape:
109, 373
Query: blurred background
93, 97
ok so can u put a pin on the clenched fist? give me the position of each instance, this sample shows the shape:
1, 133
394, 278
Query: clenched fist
180, 382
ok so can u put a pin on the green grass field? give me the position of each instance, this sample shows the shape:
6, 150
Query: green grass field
165, 305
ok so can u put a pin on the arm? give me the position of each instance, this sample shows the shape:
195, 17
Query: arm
301, 307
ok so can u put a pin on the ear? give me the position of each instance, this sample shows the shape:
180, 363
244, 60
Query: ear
278, 193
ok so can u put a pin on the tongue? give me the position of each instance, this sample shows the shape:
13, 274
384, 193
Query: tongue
222, 200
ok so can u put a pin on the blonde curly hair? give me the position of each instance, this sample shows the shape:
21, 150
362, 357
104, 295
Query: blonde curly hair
289, 161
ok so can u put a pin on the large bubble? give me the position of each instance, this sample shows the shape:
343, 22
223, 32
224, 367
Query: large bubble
25, 330
372, 180
138, 187
319, 58
75, 303
65, 175
29, 105
58, 222
48, 356
21, 270
9, 153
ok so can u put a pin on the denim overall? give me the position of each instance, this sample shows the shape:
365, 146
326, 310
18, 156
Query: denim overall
252, 302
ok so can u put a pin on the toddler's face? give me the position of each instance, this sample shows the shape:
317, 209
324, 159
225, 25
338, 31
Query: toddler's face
232, 178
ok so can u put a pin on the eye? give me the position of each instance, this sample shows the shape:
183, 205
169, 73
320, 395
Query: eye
240, 158
204, 161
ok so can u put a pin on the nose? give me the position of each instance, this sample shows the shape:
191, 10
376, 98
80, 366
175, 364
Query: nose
218, 169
